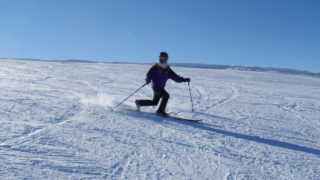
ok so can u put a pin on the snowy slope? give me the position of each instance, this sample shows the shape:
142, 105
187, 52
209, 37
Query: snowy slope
56, 123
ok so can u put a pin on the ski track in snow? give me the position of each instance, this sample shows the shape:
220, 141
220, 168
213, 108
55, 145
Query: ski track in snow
56, 123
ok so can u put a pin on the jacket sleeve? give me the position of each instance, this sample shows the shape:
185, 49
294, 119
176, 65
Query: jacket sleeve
175, 77
150, 73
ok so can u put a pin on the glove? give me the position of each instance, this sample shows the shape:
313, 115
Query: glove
148, 81
187, 80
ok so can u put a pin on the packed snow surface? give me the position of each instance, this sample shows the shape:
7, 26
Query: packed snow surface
57, 123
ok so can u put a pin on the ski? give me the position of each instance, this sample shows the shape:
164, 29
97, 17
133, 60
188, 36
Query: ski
171, 117
184, 119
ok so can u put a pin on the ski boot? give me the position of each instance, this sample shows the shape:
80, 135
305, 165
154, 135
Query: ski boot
137, 105
162, 113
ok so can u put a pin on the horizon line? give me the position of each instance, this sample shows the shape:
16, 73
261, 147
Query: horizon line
186, 64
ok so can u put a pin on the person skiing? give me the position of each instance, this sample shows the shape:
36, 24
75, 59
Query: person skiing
159, 74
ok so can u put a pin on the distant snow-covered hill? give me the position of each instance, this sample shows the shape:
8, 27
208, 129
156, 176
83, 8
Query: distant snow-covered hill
248, 68
56, 123
203, 66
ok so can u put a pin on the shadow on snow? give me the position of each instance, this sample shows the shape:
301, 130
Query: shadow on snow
258, 139
214, 129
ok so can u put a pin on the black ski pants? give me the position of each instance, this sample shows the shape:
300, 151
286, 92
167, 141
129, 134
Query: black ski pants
158, 92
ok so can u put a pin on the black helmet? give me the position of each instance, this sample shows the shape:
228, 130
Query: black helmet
164, 54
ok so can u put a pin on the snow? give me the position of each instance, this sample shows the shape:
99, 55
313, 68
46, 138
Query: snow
56, 123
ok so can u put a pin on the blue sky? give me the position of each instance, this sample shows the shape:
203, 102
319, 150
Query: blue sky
276, 33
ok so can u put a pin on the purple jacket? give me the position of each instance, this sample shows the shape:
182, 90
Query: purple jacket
160, 76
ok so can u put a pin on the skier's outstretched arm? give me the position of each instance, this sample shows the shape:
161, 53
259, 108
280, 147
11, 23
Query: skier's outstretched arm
177, 78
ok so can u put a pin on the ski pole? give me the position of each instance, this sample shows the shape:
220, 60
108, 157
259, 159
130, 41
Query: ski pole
190, 96
129, 96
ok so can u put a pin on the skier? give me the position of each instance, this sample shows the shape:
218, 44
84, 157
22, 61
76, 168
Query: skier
159, 74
